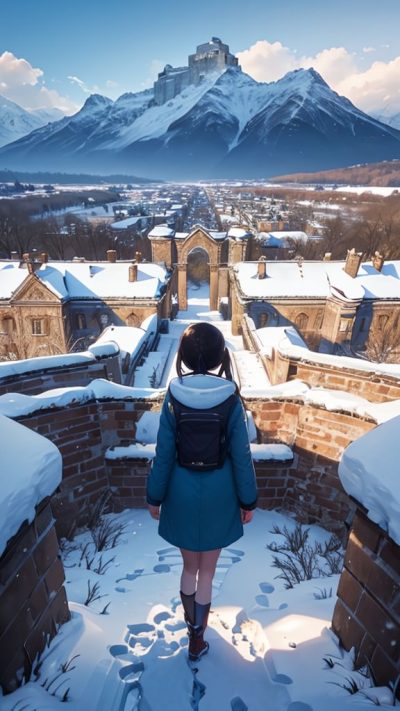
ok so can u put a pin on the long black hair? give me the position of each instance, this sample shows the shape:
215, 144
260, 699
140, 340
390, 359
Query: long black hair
201, 349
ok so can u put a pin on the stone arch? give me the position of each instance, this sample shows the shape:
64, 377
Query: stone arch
198, 264
198, 237
301, 321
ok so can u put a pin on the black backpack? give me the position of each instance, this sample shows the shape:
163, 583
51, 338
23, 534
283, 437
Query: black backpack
201, 434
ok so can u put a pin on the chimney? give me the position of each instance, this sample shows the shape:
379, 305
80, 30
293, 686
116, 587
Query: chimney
14, 255
261, 268
133, 272
327, 256
44, 257
111, 256
353, 261
377, 261
138, 257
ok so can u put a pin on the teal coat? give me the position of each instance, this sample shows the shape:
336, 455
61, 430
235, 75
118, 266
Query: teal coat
200, 511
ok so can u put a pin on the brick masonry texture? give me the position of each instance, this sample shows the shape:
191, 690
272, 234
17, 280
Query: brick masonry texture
33, 602
367, 613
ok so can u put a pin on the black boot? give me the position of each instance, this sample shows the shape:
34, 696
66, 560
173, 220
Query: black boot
188, 607
197, 644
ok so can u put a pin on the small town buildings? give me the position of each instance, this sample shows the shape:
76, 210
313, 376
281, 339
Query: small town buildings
54, 307
335, 306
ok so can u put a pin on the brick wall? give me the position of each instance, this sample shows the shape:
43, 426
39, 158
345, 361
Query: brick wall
82, 432
311, 488
367, 613
367, 384
33, 602
66, 376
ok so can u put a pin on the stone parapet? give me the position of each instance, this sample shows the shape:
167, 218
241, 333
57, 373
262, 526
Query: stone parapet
367, 612
33, 602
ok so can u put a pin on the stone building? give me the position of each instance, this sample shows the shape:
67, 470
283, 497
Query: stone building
335, 306
174, 249
213, 56
52, 307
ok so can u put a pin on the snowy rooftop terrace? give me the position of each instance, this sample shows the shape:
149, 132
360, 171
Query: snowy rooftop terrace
85, 280
313, 279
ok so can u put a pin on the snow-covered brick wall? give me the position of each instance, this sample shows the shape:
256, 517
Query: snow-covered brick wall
33, 602
369, 471
366, 615
30, 471
36, 375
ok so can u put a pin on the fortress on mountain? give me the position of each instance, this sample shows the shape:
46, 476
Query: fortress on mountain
213, 56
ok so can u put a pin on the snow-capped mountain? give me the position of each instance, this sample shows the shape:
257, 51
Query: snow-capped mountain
16, 122
390, 118
227, 126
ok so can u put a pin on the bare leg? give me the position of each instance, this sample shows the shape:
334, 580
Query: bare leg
207, 564
191, 564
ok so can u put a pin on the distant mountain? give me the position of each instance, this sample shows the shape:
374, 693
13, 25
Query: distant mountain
389, 118
385, 174
16, 122
229, 126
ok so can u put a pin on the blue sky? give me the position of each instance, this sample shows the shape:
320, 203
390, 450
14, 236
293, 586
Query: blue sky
74, 48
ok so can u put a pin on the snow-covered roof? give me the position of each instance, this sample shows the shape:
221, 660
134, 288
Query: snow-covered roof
129, 222
369, 471
238, 233
280, 239
312, 279
87, 280
31, 469
161, 231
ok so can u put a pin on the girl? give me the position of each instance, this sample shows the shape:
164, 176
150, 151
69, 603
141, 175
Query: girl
201, 511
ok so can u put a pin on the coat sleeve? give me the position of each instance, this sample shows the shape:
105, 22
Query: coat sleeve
242, 462
157, 482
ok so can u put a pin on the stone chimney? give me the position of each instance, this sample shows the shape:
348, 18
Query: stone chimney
262, 268
138, 257
377, 261
111, 255
327, 256
353, 261
14, 255
133, 272
44, 257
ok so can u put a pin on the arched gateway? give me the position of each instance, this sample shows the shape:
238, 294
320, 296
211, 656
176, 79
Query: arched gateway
173, 248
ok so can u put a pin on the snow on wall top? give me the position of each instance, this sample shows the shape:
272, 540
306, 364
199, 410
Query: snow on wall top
31, 469
161, 231
87, 280
369, 471
318, 279
289, 343
29, 365
18, 405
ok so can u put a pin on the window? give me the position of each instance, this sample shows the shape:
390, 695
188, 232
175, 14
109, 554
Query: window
344, 325
382, 321
301, 321
80, 322
363, 324
38, 327
7, 325
319, 319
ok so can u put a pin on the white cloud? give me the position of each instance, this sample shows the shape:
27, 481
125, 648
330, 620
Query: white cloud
24, 84
372, 89
85, 87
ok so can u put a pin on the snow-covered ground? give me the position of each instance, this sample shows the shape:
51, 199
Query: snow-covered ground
270, 644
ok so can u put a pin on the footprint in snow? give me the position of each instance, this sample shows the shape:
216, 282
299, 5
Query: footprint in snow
266, 587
